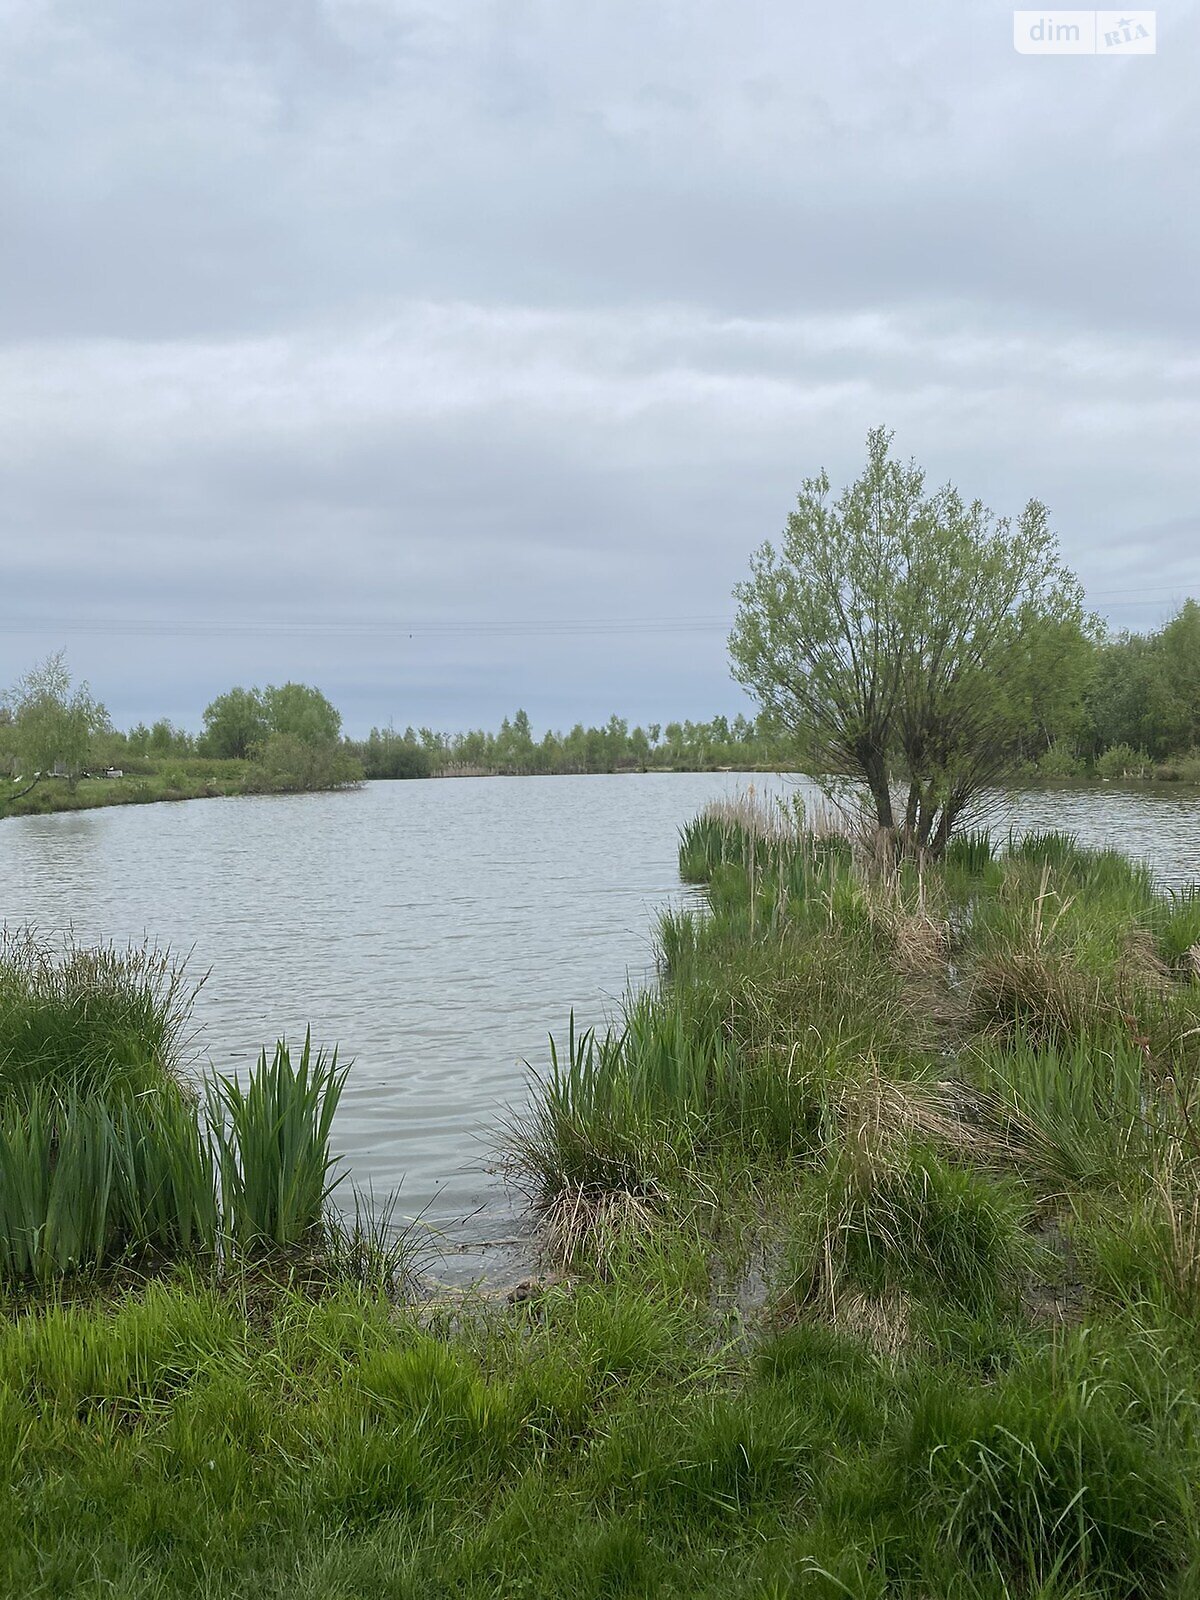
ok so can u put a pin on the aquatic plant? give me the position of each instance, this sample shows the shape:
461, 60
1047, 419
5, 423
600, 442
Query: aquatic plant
271, 1138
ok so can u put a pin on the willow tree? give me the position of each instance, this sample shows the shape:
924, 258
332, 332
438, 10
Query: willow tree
910, 640
50, 725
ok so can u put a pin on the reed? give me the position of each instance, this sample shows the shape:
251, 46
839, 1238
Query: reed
1177, 929
89, 1181
271, 1139
971, 851
1091, 1103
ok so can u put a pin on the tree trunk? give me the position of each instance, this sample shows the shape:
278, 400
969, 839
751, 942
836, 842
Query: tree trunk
941, 838
875, 772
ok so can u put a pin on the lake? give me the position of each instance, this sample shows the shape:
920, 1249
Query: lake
436, 931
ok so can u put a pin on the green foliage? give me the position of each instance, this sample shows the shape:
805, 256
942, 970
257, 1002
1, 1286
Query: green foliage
298, 711
911, 637
1144, 693
51, 725
272, 1144
388, 754
106, 1152
290, 736
631, 1112
286, 764
88, 1180
737, 743
1122, 761
236, 724
95, 1020
1060, 761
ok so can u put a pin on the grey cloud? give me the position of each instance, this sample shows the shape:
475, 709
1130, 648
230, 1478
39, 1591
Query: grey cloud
387, 314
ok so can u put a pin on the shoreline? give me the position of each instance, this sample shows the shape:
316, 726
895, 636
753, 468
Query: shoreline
132, 791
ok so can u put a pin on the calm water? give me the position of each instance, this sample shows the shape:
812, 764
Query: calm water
436, 931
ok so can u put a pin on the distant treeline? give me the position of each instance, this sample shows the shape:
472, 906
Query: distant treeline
1141, 704
740, 742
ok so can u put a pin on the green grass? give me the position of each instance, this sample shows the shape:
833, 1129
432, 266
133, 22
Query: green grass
878, 1232
148, 780
96, 1020
175, 778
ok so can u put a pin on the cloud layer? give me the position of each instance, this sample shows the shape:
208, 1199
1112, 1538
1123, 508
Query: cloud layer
456, 356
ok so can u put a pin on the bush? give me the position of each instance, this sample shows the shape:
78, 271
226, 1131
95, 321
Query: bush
1060, 761
287, 764
1123, 761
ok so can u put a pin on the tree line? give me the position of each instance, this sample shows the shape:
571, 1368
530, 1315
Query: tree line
739, 742
285, 738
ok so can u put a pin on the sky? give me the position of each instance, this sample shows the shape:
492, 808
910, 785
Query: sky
456, 357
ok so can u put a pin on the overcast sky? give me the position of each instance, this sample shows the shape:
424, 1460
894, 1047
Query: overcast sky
455, 357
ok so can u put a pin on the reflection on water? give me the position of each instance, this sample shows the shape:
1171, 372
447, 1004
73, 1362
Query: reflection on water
437, 931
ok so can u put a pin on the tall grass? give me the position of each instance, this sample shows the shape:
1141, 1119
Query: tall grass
84, 1184
271, 1139
630, 1106
87, 1183
971, 851
1177, 928
96, 1020
906, 1221
1091, 1103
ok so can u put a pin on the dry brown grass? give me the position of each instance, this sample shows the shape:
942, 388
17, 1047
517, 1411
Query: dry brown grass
776, 821
881, 1321
588, 1227
879, 1118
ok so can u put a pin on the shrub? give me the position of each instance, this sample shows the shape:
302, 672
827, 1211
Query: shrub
1123, 761
1059, 761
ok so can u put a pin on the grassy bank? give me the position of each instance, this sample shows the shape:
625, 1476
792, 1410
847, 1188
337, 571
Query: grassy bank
877, 1243
188, 779
146, 781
